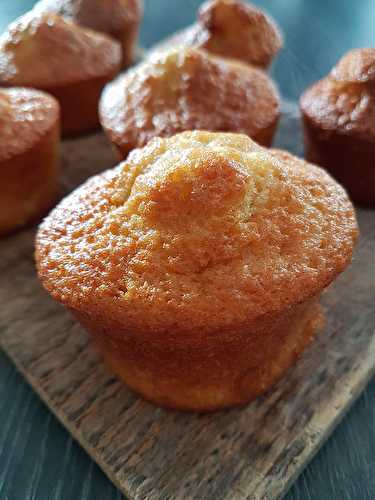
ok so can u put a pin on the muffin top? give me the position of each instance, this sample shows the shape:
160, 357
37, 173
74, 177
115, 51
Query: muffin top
109, 16
233, 29
185, 89
201, 232
344, 100
46, 50
26, 115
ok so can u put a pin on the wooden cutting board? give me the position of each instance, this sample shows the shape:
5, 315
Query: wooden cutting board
149, 453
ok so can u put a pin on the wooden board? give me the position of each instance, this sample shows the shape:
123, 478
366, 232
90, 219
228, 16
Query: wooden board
149, 453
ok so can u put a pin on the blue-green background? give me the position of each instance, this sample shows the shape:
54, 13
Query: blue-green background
38, 459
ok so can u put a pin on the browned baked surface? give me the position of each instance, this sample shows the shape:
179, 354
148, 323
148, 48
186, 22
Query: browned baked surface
197, 264
188, 89
29, 142
339, 123
118, 18
64, 57
232, 29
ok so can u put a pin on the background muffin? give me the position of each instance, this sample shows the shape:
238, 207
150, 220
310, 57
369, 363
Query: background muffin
232, 29
198, 263
339, 123
187, 89
118, 18
70, 62
29, 165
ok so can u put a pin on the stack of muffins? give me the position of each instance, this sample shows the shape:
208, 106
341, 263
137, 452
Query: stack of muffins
198, 262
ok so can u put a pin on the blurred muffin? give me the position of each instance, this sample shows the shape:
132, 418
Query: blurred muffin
118, 18
339, 123
232, 29
187, 89
198, 263
29, 165
70, 62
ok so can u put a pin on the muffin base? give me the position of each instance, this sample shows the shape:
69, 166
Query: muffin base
348, 159
208, 373
29, 183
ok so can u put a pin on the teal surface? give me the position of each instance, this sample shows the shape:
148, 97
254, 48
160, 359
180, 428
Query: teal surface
38, 458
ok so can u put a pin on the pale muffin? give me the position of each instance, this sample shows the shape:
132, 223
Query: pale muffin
188, 89
198, 263
70, 62
29, 159
339, 123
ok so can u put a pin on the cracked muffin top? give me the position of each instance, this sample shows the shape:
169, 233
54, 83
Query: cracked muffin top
197, 232
188, 89
48, 51
344, 100
26, 115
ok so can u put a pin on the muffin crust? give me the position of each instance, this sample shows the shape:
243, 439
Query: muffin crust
187, 89
197, 264
70, 62
117, 18
339, 123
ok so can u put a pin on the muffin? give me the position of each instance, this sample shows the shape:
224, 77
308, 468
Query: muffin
187, 89
118, 18
71, 63
232, 29
29, 165
339, 123
197, 264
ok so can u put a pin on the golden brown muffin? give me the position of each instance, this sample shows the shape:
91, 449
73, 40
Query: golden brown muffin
29, 160
339, 123
198, 263
118, 18
187, 89
232, 29
70, 62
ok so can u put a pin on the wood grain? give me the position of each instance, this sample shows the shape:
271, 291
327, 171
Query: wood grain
153, 454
